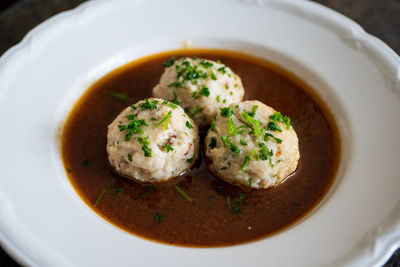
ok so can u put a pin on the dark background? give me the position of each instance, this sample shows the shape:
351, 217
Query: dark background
378, 17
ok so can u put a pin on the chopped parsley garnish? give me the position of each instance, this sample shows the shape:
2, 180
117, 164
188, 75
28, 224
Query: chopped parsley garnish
86, 162
164, 120
183, 193
278, 117
213, 125
132, 128
233, 147
130, 157
149, 188
213, 143
253, 111
205, 91
153, 119
218, 98
99, 198
260, 134
148, 105
287, 122
190, 160
242, 142
253, 123
213, 76
120, 96
176, 84
226, 87
169, 62
222, 69
245, 162
235, 206
265, 154
267, 135
189, 125
159, 217
272, 126
169, 148
255, 155
206, 64
251, 182
226, 112
230, 93
169, 104
133, 107
145, 142
224, 101
232, 128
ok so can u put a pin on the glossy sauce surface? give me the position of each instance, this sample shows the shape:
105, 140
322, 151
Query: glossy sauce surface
212, 218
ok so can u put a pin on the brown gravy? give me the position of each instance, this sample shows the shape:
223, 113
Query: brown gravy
208, 220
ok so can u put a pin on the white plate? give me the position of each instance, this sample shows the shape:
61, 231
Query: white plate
43, 222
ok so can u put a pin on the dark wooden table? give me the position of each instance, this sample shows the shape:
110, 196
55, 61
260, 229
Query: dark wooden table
378, 17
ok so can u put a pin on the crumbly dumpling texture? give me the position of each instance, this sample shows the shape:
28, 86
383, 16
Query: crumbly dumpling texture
252, 145
201, 87
152, 141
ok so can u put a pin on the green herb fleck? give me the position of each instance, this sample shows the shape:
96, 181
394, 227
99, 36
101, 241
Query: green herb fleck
253, 111
267, 135
213, 125
265, 154
130, 157
189, 125
175, 84
205, 91
190, 160
253, 123
169, 62
164, 120
213, 76
99, 198
120, 96
232, 128
169, 104
132, 128
278, 117
272, 126
213, 143
245, 162
226, 112
222, 69
218, 98
206, 64
148, 105
233, 147
145, 142
242, 142
183, 193
118, 190
86, 162
251, 182
159, 217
